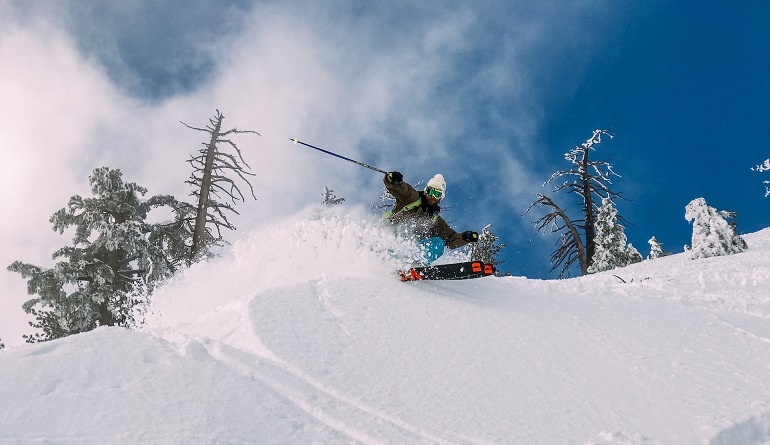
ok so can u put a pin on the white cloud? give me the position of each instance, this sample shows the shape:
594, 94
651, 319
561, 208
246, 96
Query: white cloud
52, 102
404, 90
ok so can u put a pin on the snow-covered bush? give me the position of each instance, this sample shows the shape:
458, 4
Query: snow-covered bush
329, 198
485, 249
712, 235
765, 166
611, 249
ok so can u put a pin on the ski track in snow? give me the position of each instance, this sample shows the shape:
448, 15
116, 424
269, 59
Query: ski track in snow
670, 351
339, 411
336, 410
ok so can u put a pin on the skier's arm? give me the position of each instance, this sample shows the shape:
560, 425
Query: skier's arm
452, 238
402, 191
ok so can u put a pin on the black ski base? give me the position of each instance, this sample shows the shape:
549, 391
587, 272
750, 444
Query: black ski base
457, 271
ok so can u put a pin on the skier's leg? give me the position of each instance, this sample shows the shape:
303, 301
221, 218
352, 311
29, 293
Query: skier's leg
432, 249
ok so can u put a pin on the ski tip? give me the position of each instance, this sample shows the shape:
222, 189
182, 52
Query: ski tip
409, 275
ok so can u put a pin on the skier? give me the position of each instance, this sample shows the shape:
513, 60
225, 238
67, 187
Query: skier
420, 210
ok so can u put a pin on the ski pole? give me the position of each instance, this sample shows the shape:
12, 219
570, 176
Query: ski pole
341, 157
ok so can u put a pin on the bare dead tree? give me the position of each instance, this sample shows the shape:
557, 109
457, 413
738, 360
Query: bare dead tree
570, 243
211, 178
591, 181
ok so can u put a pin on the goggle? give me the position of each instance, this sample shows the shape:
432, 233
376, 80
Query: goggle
436, 193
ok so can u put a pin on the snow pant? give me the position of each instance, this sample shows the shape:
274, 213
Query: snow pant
431, 249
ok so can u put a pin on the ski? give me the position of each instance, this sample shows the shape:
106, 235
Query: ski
456, 271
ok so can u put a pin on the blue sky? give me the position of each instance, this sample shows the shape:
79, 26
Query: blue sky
490, 94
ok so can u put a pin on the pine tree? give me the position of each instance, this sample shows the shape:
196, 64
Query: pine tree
2, 345
212, 168
116, 258
329, 198
712, 235
633, 255
611, 249
656, 249
485, 249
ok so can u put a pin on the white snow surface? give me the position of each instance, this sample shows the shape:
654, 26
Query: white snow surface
302, 334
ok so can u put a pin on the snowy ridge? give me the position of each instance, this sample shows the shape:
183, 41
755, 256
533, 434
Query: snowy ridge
302, 334
736, 283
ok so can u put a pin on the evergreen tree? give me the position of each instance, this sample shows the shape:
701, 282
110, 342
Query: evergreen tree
656, 249
116, 258
485, 249
211, 178
712, 235
2, 345
633, 255
329, 198
611, 249
765, 166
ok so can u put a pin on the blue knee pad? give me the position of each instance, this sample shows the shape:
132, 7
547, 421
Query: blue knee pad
431, 248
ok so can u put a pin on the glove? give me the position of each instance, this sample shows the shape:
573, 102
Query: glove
471, 237
395, 177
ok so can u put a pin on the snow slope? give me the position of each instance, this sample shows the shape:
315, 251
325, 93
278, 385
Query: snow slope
301, 334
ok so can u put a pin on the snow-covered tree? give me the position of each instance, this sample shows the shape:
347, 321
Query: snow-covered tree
329, 198
633, 255
611, 248
116, 257
485, 249
712, 235
213, 168
590, 181
656, 249
765, 166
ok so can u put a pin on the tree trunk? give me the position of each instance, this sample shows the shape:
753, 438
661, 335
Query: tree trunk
588, 212
120, 285
581, 251
200, 219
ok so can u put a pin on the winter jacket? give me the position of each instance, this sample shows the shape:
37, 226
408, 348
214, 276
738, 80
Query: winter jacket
412, 209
